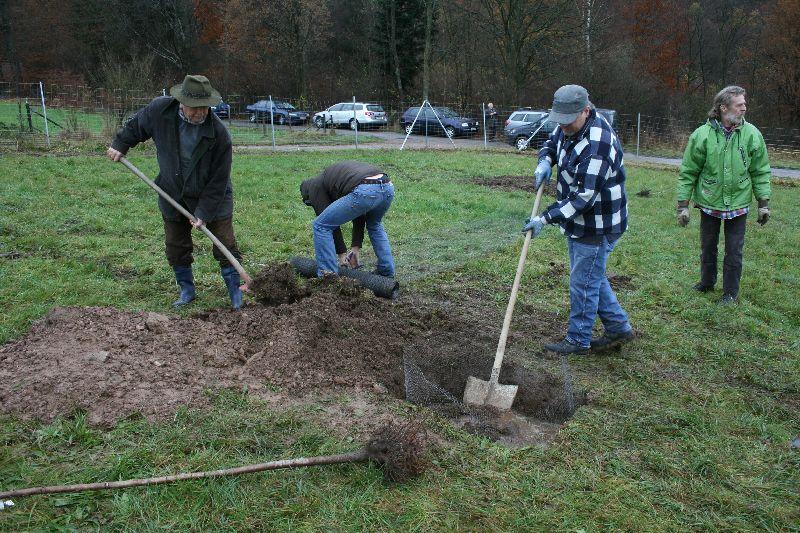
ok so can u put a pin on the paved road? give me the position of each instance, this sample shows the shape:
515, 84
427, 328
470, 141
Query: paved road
394, 140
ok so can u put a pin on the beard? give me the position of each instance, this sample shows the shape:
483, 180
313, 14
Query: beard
733, 118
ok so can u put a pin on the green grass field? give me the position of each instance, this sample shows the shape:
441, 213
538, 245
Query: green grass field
67, 126
689, 428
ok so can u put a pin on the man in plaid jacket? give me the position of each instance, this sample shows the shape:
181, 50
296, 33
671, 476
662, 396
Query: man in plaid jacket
592, 210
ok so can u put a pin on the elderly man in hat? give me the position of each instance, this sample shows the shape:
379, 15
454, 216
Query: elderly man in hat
194, 157
591, 209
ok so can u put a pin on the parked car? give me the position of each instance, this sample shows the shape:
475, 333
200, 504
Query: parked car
453, 123
222, 110
519, 136
352, 114
520, 117
283, 112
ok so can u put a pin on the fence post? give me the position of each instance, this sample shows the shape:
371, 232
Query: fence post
44, 112
272, 121
483, 114
638, 130
425, 118
28, 112
355, 120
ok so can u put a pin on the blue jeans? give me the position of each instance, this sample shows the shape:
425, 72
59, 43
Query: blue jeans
590, 293
373, 202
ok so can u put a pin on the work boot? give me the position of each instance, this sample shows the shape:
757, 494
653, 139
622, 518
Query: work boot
231, 277
566, 347
728, 299
699, 287
185, 279
611, 340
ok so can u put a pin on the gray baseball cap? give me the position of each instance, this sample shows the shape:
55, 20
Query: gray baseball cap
568, 102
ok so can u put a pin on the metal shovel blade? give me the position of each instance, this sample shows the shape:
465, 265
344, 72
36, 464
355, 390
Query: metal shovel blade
480, 392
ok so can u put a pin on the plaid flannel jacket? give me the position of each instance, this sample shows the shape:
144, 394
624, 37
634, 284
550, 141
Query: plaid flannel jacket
590, 196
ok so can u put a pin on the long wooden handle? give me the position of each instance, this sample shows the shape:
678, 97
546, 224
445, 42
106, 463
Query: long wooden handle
351, 457
228, 255
501, 345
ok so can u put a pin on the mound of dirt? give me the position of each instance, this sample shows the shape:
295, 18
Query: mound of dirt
113, 363
277, 284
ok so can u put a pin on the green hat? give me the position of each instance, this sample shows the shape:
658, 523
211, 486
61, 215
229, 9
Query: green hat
195, 91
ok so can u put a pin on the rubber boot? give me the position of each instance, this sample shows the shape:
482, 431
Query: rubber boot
185, 279
231, 277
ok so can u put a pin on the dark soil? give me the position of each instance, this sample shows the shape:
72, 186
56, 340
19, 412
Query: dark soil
337, 338
277, 284
644, 193
512, 183
620, 282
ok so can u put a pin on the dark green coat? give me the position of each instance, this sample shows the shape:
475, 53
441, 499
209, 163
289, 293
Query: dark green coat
205, 189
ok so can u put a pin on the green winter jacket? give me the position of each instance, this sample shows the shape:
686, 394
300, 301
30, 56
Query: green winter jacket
724, 174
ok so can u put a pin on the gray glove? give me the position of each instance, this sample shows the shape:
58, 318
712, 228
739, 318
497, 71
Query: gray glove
683, 214
534, 225
541, 174
763, 211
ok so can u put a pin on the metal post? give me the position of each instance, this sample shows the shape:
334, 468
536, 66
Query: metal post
426, 122
272, 120
44, 112
483, 113
638, 130
28, 112
355, 120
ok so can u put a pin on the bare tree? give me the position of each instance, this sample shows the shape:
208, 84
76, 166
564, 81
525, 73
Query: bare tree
525, 34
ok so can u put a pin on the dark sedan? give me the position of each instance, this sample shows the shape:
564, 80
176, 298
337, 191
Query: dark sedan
281, 112
222, 110
427, 121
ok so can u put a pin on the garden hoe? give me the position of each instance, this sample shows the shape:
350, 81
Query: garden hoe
491, 393
228, 255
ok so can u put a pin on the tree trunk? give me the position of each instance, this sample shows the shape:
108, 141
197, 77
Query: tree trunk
393, 47
430, 5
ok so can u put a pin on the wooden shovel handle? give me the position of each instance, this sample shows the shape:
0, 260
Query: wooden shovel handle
228, 255
501, 345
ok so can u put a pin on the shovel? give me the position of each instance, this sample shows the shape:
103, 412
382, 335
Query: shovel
228, 255
492, 393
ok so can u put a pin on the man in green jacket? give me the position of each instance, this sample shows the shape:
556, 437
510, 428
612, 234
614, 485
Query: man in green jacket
725, 165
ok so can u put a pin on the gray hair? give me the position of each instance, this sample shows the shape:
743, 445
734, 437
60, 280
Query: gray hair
724, 98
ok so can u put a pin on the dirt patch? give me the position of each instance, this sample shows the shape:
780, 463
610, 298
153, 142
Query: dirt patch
512, 183
338, 338
277, 284
644, 193
620, 282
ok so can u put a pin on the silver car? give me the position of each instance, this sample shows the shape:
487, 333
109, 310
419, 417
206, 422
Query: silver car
358, 114
523, 117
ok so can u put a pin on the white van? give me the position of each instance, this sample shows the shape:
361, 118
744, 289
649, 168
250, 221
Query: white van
358, 114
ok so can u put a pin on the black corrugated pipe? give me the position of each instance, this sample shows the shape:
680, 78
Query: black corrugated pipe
382, 286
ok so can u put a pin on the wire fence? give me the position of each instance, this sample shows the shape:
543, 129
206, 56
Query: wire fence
41, 116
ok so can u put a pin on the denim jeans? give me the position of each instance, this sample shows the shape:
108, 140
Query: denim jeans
590, 292
373, 202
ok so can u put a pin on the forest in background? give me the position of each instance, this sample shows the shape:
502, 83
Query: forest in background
663, 57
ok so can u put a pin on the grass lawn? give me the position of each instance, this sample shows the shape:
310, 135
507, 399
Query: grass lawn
93, 126
261, 135
689, 428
